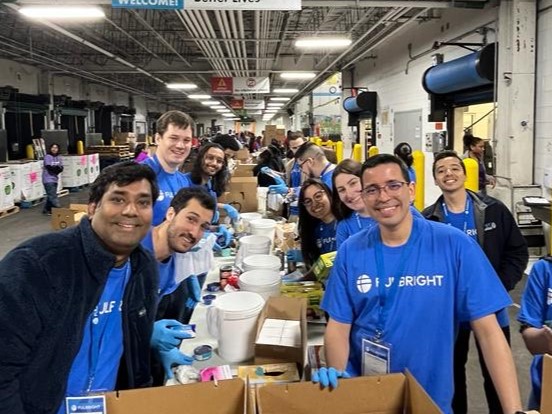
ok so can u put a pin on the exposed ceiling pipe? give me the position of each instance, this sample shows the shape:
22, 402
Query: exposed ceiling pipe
241, 35
220, 16
381, 3
326, 16
257, 25
212, 34
236, 34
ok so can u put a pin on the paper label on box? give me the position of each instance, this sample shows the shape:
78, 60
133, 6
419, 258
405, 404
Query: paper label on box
89, 405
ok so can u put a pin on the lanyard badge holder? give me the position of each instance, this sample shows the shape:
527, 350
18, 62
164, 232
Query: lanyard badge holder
376, 353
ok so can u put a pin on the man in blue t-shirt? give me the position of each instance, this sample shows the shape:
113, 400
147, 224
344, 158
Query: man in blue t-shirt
399, 290
188, 217
313, 162
174, 142
489, 222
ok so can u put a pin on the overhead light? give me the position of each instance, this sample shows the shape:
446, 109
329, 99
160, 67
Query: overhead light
62, 12
274, 105
270, 111
234, 119
285, 90
280, 99
199, 96
181, 85
224, 111
218, 107
208, 103
323, 43
297, 75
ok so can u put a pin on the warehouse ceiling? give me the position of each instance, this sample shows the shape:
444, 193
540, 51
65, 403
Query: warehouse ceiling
139, 51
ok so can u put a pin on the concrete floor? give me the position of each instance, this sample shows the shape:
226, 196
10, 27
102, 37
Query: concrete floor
31, 222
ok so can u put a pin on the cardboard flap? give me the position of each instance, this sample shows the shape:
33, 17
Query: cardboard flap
417, 401
226, 397
546, 397
362, 395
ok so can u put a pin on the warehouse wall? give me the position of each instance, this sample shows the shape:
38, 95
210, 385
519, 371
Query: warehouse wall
23, 77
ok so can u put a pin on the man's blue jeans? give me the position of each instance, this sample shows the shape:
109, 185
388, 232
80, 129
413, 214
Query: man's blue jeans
52, 198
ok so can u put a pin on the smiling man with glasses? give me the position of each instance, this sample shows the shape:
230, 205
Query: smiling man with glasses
314, 164
399, 290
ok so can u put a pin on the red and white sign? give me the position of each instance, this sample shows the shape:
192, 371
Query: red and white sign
236, 104
221, 86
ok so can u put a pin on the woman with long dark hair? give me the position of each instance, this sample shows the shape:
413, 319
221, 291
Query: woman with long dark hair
317, 224
475, 148
347, 204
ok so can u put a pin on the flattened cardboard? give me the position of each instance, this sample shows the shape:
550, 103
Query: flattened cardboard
293, 309
386, 394
67, 217
226, 397
546, 397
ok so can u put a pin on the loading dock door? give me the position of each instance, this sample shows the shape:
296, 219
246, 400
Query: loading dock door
407, 127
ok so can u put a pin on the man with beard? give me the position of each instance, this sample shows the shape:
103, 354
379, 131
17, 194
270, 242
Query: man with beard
313, 162
187, 218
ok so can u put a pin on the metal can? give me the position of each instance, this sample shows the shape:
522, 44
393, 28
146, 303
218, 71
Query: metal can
225, 272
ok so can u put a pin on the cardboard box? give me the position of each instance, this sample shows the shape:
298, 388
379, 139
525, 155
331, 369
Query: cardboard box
243, 154
269, 373
386, 394
67, 217
224, 397
323, 265
293, 309
286, 237
242, 194
546, 397
243, 170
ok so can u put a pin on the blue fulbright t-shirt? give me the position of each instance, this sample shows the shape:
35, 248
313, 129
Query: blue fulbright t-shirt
167, 280
324, 236
437, 289
352, 225
96, 365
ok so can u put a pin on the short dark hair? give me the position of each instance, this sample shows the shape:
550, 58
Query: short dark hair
184, 195
381, 159
295, 135
177, 118
447, 154
310, 149
404, 152
226, 142
122, 174
220, 180
347, 166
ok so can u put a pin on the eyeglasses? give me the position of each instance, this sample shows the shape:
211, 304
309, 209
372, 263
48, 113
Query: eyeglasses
301, 163
391, 188
318, 196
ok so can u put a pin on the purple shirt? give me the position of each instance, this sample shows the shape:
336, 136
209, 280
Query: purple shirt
50, 159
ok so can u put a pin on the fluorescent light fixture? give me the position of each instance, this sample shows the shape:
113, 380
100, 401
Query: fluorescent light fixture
199, 96
274, 105
280, 99
234, 119
218, 107
323, 43
297, 75
224, 111
181, 85
62, 12
229, 115
285, 90
208, 103
270, 111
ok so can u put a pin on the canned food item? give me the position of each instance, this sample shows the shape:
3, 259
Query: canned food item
225, 272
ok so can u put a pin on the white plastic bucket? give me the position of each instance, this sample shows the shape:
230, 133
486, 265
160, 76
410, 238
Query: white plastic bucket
262, 193
264, 282
248, 218
233, 322
251, 245
261, 262
264, 227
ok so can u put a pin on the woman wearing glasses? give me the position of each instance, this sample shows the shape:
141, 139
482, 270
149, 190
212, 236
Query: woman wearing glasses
348, 206
317, 224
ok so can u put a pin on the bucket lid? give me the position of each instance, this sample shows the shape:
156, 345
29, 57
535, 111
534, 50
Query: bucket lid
238, 305
262, 261
255, 240
263, 223
251, 216
260, 278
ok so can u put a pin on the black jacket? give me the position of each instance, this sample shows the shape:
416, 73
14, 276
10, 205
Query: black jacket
497, 233
49, 285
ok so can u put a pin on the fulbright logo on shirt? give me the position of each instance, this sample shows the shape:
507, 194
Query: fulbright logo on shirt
364, 282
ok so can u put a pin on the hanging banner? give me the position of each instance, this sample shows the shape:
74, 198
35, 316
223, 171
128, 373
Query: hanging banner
236, 104
242, 5
251, 85
148, 4
221, 86
254, 104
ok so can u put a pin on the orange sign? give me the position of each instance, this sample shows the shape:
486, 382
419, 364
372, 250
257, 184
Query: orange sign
236, 104
221, 86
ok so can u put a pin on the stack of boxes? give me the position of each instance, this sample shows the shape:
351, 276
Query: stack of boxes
93, 167
75, 170
6, 188
26, 179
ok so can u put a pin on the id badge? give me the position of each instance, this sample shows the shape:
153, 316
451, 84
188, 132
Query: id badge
376, 357
86, 404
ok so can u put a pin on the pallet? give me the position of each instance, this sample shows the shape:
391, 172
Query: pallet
77, 188
9, 211
63, 193
32, 203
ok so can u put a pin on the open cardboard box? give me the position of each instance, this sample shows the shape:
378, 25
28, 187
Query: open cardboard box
67, 217
242, 194
386, 394
292, 309
224, 397
243, 170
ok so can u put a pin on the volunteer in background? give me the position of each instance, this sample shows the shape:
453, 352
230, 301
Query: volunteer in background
141, 152
174, 142
53, 166
231, 146
475, 149
347, 204
61, 296
489, 222
269, 158
317, 224
404, 152
313, 162
188, 217
398, 291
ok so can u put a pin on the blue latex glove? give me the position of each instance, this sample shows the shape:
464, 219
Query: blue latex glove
268, 171
167, 334
232, 212
193, 288
171, 358
294, 255
328, 376
279, 189
216, 217
224, 238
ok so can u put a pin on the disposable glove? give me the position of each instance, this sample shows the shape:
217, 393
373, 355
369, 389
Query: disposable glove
224, 238
294, 255
268, 171
216, 216
167, 334
328, 376
279, 189
232, 212
171, 358
193, 288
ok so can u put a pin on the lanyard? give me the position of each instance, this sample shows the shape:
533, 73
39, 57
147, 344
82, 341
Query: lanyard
325, 168
386, 300
466, 213
96, 335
